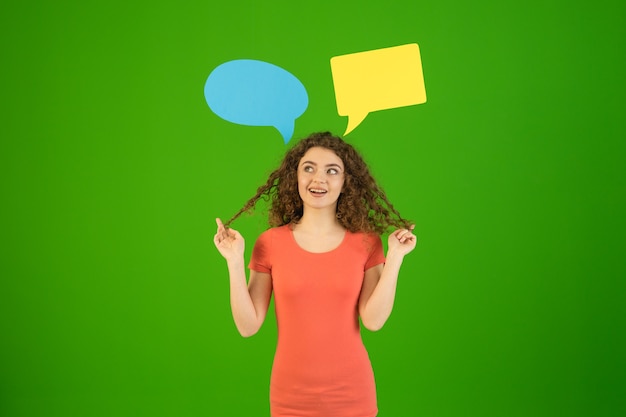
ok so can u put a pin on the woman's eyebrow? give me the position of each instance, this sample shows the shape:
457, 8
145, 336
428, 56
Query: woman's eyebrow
334, 165
327, 165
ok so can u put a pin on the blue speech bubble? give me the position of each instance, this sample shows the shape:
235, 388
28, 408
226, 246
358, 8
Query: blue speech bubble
256, 93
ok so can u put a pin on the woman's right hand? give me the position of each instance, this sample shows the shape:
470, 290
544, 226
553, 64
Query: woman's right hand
228, 242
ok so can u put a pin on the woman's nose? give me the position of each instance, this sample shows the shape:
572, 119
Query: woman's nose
319, 177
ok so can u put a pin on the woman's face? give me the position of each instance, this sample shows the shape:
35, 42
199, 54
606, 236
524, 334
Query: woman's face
320, 178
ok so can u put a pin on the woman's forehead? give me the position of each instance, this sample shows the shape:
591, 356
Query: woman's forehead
321, 156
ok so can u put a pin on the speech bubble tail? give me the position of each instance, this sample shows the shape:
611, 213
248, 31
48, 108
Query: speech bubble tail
286, 131
354, 121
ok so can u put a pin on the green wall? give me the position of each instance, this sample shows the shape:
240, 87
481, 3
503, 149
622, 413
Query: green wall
114, 302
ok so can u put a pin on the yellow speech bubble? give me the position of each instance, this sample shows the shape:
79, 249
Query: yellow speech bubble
377, 80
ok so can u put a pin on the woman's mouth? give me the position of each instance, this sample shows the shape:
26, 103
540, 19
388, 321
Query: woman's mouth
318, 192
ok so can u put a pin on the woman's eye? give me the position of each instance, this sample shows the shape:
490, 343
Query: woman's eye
308, 168
333, 171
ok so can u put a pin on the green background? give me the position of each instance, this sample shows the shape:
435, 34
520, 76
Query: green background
114, 302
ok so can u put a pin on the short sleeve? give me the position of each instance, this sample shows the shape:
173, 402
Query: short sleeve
376, 255
261, 253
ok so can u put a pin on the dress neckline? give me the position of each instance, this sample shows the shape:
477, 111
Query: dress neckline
295, 242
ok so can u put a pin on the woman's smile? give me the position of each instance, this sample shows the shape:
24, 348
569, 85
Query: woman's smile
318, 192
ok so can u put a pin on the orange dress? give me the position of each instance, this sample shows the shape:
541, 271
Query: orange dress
321, 367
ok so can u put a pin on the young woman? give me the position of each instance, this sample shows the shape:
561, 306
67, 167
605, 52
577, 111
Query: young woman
323, 261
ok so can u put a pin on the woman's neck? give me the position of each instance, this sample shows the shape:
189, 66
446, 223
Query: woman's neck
319, 222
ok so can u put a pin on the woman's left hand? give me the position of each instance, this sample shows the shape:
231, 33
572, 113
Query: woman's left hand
402, 241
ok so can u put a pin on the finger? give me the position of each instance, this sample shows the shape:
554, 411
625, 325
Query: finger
407, 237
411, 238
219, 236
220, 225
401, 233
221, 229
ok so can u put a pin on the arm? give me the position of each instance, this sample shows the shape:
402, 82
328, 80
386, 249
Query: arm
379, 284
248, 301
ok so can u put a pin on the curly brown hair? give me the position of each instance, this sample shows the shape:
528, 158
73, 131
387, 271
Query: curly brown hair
361, 207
